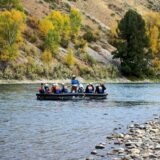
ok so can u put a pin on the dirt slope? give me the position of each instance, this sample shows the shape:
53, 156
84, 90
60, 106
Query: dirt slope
108, 12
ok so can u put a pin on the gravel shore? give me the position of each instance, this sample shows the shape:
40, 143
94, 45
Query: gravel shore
141, 142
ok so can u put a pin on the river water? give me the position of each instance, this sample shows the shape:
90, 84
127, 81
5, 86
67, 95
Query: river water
69, 130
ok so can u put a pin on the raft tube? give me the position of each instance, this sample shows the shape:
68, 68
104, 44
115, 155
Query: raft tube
71, 96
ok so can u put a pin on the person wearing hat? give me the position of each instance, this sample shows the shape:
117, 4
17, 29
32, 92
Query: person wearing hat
75, 84
89, 88
81, 88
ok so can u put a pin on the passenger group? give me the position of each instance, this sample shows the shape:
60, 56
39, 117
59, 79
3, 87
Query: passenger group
76, 87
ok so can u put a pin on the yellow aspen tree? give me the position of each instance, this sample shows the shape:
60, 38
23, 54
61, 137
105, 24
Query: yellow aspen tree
45, 25
12, 24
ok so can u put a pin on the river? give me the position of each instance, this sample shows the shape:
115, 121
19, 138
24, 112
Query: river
69, 130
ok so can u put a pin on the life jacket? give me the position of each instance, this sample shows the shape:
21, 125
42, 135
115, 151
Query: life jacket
100, 89
40, 89
65, 90
90, 89
80, 90
52, 89
46, 89
75, 82
57, 89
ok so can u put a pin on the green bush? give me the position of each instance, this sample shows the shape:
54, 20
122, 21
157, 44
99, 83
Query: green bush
90, 37
88, 59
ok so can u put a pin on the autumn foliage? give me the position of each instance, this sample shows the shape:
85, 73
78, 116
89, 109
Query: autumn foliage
70, 60
12, 23
58, 28
153, 31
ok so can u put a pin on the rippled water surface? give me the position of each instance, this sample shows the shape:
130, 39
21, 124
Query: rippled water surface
48, 130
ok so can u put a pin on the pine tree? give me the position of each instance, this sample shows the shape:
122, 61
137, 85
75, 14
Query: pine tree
132, 43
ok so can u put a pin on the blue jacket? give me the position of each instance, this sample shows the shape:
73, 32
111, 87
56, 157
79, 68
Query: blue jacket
75, 82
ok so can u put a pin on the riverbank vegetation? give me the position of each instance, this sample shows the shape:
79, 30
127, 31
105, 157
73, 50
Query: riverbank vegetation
59, 44
137, 40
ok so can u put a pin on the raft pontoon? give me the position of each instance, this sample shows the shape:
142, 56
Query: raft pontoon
71, 96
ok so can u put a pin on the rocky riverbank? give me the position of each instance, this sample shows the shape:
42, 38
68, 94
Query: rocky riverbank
142, 142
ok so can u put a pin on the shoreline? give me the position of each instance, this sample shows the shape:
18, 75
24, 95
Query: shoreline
114, 81
141, 141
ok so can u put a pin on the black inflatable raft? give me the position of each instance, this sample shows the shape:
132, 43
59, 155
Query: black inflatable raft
71, 96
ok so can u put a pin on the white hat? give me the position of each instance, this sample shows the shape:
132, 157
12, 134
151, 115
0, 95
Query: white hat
74, 76
81, 85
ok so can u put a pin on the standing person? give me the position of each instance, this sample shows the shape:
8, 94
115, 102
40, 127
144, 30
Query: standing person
75, 84
41, 88
90, 88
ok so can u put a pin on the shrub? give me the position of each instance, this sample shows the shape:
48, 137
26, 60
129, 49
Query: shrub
52, 41
70, 60
75, 18
89, 36
11, 4
46, 57
88, 59
45, 25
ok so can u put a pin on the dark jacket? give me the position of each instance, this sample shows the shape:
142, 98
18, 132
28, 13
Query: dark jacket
88, 90
100, 89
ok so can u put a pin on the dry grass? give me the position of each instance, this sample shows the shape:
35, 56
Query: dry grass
109, 11
38, 8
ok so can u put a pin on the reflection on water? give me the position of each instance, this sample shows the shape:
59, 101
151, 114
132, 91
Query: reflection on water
31, 129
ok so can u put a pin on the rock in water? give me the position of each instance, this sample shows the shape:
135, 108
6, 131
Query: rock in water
94, 152
100, 146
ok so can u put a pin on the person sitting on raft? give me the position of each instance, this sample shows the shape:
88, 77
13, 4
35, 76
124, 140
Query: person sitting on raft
100, 88
81, 88
46, 88
57, 89
52, 89
89, 88
64, 88
41, 88
75, 84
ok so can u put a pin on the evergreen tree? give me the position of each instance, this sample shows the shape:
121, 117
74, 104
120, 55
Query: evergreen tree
132, 43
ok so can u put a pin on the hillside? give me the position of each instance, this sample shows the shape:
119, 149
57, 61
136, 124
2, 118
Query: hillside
92, 58
108, 12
